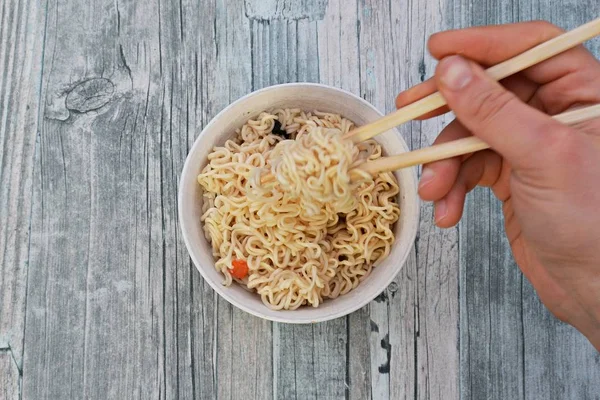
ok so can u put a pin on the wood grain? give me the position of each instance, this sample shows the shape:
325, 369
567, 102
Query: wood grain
100, 102
21, 52
510, 346
288, 10
432, 283
10, 376
111, 279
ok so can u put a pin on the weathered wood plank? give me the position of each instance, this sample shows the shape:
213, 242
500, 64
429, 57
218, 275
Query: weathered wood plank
10, 376
559, 363
339, 66
283, 51
392, 316
95, 321
285, 9
116, 307
199, 77
243, 341
309, 361
392, 39
437, 250
491, 314
403, 327
373, 38
338, 46
511, 347
21, 52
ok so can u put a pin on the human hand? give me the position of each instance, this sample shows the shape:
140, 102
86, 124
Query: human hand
546, 174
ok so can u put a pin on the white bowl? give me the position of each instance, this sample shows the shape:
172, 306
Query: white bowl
308, 97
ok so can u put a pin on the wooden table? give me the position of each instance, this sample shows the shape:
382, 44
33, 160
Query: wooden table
100, 101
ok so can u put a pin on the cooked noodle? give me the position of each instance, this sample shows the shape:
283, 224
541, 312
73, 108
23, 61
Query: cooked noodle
316, 229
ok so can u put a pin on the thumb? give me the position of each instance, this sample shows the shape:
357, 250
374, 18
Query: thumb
495, 115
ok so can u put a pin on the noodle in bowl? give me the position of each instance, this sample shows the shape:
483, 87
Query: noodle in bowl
339, 245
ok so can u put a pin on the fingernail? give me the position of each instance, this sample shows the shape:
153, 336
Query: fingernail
427, 176
455, 72
441, 209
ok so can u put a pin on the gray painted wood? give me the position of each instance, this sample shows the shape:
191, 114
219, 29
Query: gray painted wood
20, 62
288, 10
100, 103
510, 345
549, 344
10, 376
432, 283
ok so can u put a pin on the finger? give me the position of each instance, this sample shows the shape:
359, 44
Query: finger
448, 211
484, 169
573, 89
577, 60
489, 45
521, 86
417, 93
509, 126
438, 177
501, 188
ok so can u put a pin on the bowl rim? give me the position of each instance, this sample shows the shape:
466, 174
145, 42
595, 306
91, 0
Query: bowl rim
219, 288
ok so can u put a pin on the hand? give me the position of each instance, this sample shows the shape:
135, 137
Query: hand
546, 174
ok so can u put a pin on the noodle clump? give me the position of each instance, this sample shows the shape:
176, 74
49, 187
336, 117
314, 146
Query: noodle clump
283, 198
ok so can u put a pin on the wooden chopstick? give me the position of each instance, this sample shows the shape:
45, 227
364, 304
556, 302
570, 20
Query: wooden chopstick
500, 71
461, 146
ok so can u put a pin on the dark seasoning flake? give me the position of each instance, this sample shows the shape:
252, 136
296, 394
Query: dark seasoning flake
278, 131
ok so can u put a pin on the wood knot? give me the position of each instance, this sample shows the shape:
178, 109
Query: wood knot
422, 70
382, 298
385, 345
374, 327
90, 94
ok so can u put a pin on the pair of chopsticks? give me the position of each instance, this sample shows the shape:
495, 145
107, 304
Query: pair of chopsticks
468, 145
